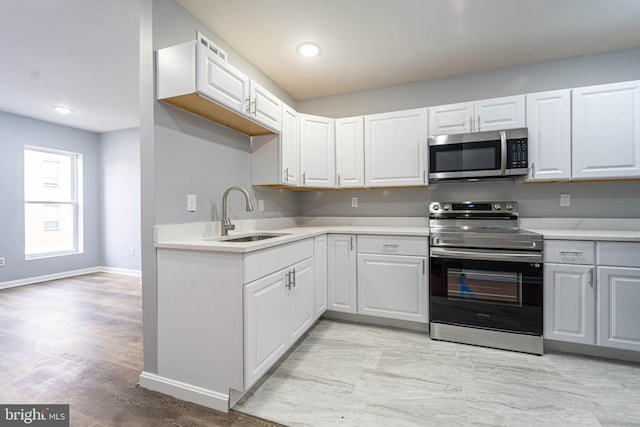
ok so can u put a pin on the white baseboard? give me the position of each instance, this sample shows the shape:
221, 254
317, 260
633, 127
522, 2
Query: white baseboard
190, 393
65, 274
123, 271
47, 277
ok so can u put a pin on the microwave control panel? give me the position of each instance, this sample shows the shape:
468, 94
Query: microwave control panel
517, 153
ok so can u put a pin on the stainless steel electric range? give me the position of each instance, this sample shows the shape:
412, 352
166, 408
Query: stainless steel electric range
486, 276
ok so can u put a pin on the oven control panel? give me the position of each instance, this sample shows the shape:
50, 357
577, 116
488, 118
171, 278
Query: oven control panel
470, 208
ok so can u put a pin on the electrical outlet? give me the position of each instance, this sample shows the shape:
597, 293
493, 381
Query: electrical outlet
191, 202
565, 200
354, 202
260, 205
2, 264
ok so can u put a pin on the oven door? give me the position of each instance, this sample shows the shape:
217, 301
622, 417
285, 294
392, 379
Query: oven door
499, 290
450, 156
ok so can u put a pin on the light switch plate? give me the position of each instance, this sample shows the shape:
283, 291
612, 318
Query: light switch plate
260, 205
191, 202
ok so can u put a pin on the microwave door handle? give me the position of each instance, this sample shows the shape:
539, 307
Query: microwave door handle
503, 150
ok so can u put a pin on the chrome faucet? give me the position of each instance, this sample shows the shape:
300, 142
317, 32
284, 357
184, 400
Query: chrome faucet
226, 225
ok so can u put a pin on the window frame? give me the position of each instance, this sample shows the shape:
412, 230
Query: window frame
74, 202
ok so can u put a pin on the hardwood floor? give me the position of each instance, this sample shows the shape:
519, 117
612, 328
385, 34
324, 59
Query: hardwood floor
78, 341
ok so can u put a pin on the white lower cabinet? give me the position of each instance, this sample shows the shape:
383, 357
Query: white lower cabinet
341, 256
591, 297
618, 295
569, 303
266, 334
392, 277
278, 307
320, 267
381, 276
393, 286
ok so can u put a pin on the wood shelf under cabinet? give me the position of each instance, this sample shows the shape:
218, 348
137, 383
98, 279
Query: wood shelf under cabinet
200, 106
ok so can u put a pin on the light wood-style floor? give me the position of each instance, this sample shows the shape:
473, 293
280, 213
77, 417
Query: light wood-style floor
78, 341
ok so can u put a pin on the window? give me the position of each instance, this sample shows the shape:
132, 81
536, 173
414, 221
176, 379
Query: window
51, 203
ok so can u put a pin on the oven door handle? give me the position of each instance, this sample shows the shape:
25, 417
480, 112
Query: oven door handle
483, 255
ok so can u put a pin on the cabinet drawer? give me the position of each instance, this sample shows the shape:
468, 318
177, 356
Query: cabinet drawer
569, 251
399, 245
259, 264
619, 254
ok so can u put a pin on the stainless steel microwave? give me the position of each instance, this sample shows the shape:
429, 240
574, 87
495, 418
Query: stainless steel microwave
478, 155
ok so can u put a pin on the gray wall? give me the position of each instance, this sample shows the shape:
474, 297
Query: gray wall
196, 156
16, 132
588, 199
561, 74
120, 191
610, 199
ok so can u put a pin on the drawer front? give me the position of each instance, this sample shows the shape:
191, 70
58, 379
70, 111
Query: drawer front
396, 245
261, 263
569, 251
619, 254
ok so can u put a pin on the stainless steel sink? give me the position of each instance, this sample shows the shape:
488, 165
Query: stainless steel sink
249, 237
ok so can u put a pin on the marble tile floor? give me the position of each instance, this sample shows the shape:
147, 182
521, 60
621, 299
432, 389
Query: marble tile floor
357, 375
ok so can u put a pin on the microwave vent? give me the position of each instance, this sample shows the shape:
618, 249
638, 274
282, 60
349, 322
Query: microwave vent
212, 46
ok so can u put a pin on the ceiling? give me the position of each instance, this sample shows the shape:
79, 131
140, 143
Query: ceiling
84, 53
373, 43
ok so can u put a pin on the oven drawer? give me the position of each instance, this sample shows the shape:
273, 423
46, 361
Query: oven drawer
395, 245
569, 251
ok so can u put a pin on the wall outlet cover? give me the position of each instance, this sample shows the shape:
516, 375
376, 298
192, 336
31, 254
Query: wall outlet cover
191, 202
354, 202
565, 200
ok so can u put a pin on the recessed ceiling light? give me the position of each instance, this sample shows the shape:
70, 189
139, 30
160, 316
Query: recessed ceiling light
62, 110
308, 49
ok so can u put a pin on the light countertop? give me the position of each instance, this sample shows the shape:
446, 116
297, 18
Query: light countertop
206, 236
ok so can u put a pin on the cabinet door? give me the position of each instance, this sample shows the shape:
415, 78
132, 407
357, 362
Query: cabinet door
393, 286
266, 324
317, 151
549, 123
342, 291
500, 113
618, 314
451, 119
300, 299
265, 107
350, 152
606, 131
320, 271
396, 148
221, 82
569, 303
289, 147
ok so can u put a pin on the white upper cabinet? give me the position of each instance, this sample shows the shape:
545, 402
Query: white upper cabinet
606, 131
396, 148
193, 77
220, 81
317, 151
350, 152
264, 106
274, 158
289, 150
549, 123
478, 116
451, 119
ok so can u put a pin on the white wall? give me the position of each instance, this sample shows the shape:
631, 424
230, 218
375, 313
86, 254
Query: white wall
16, 132
120, 193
